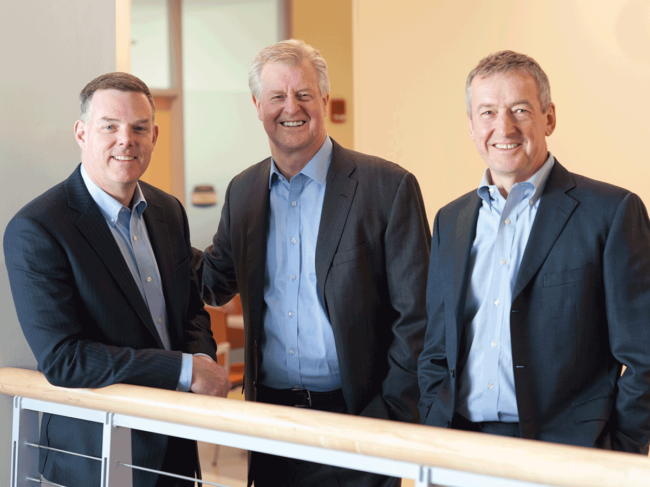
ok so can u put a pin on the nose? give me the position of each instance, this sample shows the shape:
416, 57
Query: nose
291, 105
505, 124
125, 136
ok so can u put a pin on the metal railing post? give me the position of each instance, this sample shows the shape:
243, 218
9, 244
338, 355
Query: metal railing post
116, 450
424, 478
24, 460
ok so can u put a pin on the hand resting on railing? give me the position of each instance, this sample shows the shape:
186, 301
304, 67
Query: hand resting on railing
208, 377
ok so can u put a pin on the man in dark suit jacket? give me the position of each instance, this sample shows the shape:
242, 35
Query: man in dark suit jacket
101, 274
539, 285
328, 249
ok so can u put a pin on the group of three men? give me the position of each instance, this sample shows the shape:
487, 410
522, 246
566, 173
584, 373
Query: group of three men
535, 296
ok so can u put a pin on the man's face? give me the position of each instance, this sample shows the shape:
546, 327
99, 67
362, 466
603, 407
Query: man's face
118, 140
508, 125
292, 110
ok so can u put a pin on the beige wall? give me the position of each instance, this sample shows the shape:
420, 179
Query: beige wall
411, 59
328, 27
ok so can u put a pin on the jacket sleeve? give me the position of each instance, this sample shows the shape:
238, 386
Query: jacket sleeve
69, 351
407, 241
432, 364
626, 274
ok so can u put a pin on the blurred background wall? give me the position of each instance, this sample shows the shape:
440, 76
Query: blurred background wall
50, 51
411, 59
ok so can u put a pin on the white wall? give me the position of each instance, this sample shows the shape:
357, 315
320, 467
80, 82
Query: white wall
50, 51
222, 133
411, 59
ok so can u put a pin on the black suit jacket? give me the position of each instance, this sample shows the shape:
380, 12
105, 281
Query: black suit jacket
371, 260
86, 321
579, 312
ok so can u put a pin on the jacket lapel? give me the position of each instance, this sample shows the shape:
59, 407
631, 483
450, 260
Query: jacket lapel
158, 231
554, 211
336, 206
255, 241
92, 226
465, 234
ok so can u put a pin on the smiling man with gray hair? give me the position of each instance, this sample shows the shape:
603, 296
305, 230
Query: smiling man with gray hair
328, 249
539, 285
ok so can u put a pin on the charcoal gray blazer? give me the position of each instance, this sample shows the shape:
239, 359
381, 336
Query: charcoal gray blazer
87, 323
580, 311
372, 255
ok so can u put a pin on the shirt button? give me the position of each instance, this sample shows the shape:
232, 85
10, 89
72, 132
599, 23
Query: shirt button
507, 222
530, 202
494, 344
294, 203
293, 240
293, 277
135, 237
112, 221
292, 352
148, 279
290, 313
502, 261
491, 190
496, 302
159, 320
490, 385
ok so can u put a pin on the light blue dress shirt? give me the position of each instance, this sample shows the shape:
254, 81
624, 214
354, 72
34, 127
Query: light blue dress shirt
130, 233
487, 383
298, 346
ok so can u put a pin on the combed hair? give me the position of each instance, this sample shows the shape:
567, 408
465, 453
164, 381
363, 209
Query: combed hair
112, 81
291, 52
505, 62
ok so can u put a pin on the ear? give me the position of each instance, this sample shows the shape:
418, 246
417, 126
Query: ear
155, 134
471, 127
326, 102
551, 119
80, 133
258, 107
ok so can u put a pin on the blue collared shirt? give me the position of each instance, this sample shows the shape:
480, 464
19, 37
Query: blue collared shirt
130, 234
487, 383
298, 346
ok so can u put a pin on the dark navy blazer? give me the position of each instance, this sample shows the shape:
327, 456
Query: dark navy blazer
580, 310
86, 321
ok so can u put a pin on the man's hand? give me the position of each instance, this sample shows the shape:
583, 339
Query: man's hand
208, 377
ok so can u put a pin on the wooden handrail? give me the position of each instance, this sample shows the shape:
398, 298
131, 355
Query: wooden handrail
511, 458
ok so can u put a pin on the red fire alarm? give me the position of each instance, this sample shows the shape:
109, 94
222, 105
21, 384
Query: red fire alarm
338, 112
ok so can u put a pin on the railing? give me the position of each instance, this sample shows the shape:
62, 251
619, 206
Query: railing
427, 455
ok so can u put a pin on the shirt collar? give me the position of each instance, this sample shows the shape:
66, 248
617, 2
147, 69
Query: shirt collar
538, 181
315, 169
108, 205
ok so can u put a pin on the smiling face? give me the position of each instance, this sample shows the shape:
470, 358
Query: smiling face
508, 126
293, 112
117, 141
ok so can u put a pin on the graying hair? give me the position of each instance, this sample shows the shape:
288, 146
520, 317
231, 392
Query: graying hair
112, 81
505, 62
291, 52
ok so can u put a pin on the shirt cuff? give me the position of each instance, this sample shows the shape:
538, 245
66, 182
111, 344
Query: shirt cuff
185, 380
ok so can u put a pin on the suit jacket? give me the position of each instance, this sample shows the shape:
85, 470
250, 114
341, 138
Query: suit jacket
86, 321
371, 259
579, 312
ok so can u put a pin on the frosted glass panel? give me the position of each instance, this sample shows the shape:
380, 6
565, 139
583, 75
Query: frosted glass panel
150, 42
222, 133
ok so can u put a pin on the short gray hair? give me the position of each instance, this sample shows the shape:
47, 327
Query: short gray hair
291, 52
503, 62
113, 81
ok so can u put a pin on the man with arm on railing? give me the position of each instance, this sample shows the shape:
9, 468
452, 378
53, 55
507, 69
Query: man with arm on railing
328, 249
539, 285
102, 278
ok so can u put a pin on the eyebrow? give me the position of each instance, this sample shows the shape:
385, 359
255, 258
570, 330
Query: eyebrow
137, 122
492, 105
